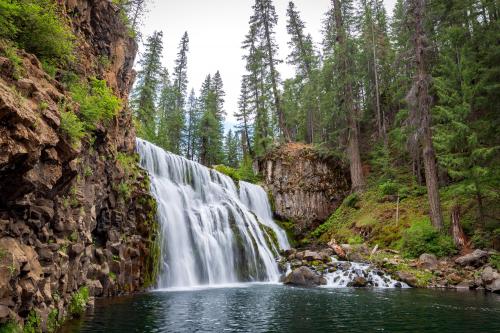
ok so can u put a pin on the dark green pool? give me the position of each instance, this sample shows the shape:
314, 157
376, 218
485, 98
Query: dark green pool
275, 308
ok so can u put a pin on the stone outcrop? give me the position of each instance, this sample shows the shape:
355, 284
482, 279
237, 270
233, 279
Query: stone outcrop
305, 186
71, 216
304, 277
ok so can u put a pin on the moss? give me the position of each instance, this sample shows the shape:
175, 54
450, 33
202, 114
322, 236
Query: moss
228, 171
78, 302
152, 263
270, 236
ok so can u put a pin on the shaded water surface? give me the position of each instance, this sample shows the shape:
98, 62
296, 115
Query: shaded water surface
275, 308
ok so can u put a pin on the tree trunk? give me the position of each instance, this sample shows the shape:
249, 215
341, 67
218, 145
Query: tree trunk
355, 165
277, 101
423, 105
459, 237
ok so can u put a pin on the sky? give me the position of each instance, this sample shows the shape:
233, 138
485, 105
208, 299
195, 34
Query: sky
216, 29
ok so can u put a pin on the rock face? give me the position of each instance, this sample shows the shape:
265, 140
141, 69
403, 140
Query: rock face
306, 187
64, 221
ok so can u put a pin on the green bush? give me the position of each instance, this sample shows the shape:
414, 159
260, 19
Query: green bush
33, 323
72, 127
35, 26
97, 102
79, 302
495, 261
228, 171
389, 188
351, 200
10, 327
422, 237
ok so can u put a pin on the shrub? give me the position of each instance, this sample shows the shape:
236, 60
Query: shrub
389, 188
79, 302
72, 127
495, 261
351, 200
97, 102
245, 170
422, 237
10, 327
35, 26
228, 171
33, 323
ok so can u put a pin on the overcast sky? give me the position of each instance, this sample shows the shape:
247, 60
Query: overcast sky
216, 30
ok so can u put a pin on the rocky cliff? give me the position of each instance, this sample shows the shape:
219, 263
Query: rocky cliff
72, 218
305, 186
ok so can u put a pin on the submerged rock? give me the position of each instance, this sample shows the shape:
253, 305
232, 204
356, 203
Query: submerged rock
407, 278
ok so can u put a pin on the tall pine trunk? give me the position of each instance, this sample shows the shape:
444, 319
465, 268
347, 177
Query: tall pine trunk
274, 80
353, 153
421, 100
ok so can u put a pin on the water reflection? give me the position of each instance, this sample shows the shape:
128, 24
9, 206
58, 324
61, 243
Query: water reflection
274, 308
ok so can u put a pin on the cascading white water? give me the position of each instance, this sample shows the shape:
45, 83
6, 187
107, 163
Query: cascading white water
346, 271
255, 198
208, 235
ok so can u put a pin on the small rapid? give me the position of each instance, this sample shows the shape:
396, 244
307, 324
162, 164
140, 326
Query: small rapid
355, 274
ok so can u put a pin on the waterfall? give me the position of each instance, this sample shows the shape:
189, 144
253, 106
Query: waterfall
208, 234
255, 198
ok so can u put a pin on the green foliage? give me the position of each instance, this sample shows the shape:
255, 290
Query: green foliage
389, 188
78, 302
495, 261
33, 324
9, 51
422, 237
72, 127
351, 200
355, 240
35, 26
10, 327
49, 68
97, 102
246, 172
228, 171
53, 322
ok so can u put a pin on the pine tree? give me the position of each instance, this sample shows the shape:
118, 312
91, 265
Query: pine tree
193, 119
304, 58
344, 70
165, 108
419, 99
264, 21
245, 116
231, 149
144, 95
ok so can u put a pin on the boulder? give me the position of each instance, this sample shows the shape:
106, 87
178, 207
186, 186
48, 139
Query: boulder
358, 282
312, 256
474, 259
428, 261
494, 286
337, 249
303, 277
408, 278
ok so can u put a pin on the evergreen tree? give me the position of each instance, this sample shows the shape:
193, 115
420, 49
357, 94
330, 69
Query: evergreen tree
165, 109
264, 21
245, 116
419, 100
193, 119
303, 57
231, 149
144, 95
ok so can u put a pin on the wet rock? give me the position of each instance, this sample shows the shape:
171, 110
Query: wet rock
358, 282
408, 278
303, 277
475, 259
